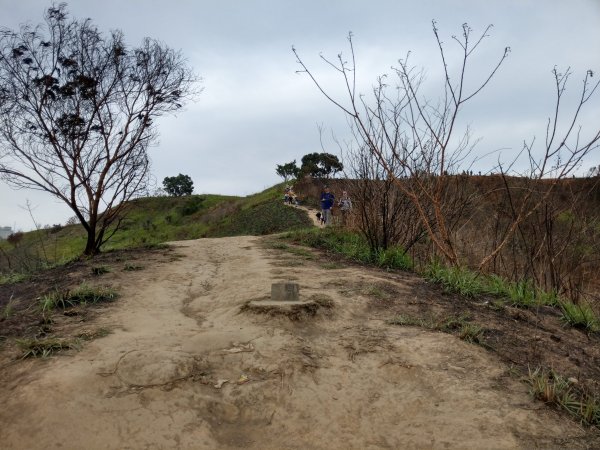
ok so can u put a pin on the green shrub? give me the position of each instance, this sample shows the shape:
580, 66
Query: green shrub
191, 206
394, 258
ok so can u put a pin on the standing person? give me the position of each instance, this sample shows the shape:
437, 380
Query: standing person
292, 198
327, 201
345, 204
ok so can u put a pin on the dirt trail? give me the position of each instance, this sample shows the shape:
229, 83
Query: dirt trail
342, 379
312, 214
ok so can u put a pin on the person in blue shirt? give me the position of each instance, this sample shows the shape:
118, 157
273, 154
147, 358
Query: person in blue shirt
327, 201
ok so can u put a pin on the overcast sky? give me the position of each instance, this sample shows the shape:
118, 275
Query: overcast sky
256, 112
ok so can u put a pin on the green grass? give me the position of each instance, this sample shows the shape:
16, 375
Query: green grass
302, 252
377, 292
455, 279
404, 320
394, 258
43, 348
465, 282
472, 333
82, 294
9, 309
151, 221
350, 245
100, 270
12, 278
458, 325
94, 334
580, 316
278, 245
259, 219
85, 293
458, 280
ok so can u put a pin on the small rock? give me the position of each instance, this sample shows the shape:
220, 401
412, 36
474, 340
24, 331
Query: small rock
572, 380
220, 383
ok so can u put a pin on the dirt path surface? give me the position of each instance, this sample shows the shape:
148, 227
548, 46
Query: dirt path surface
187, 367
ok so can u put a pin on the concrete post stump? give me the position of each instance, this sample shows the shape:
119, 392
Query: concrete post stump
285, 292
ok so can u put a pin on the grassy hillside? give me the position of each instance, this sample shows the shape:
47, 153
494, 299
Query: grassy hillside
153, 220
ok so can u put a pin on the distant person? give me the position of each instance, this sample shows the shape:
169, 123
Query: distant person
292, 197
286, 194
345, 204
327, 202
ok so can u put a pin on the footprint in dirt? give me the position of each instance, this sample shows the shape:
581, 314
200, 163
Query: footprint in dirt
154, 367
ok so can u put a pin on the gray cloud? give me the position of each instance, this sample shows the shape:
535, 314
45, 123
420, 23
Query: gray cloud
256, 112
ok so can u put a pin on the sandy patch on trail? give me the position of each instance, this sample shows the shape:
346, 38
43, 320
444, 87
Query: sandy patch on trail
186, 368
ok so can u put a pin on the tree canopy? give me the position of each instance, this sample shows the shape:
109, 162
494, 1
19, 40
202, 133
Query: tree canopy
320, 165
77, 110
179, 185
287, 171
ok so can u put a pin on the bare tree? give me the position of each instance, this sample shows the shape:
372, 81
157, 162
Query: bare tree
77, 111
561, 155
417, 134
383, 211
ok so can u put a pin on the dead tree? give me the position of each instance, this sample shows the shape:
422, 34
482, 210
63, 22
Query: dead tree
77, 114
562, 153
384, 213
421, 137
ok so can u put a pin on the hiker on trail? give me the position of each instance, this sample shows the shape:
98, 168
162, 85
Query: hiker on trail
327, 201
292, 197
286, 195
345, 204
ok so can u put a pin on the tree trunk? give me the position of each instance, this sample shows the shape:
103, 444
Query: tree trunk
90, 245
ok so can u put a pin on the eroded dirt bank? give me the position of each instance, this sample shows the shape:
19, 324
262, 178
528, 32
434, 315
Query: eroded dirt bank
184, 367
